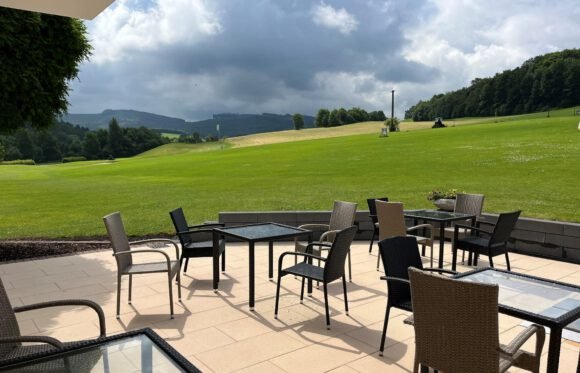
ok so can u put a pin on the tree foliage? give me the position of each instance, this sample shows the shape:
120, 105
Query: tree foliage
40, 55
298, 120
341, 116
541, 83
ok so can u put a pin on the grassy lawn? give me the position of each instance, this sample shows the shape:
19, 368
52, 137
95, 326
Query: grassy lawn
528, 164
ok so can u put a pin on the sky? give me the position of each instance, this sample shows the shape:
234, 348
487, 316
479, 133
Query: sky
193, 58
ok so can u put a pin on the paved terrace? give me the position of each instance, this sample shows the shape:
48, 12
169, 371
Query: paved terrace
218, 333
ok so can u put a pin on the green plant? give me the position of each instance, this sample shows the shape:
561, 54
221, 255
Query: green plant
392, 124
435, 194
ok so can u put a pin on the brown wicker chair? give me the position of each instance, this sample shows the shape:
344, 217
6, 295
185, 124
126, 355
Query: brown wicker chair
371, 202
392, 224
11, 340
465, 204
342, 217
457, 329
124, 256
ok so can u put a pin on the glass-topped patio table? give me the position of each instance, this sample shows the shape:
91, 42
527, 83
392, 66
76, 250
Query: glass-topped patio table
252, 233
545, 302
441, 217
135, 351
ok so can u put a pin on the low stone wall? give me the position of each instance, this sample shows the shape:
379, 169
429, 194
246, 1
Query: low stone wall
544, 238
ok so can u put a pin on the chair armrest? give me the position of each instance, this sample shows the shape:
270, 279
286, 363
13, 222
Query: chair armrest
515, 345
69, 302
295, 253
428, 226
441, 270
315, 227
409, 320
206, 225
148, 251
328, 233
457, 226
33, 339
402, 280
158, 240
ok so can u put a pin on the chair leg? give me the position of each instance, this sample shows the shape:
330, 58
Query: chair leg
372, 241
463, 257
378, 260
491, 261
130, 287
118, 295
178, 286
345, 296
186, 263
454, 258
469, 258
169, 278
224, 261
431, 261
507, 260
278, 294
475, 259
349, 267
385, 324
326, 306
302, 290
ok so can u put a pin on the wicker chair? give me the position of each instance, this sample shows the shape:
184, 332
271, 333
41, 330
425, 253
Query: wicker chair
11, 340
124, 256
495, 245
373, 215
392, 224
456, 328
399, 254
196, 240
342, 217
466, 204
333, 267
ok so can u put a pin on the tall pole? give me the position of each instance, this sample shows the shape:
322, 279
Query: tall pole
393, 128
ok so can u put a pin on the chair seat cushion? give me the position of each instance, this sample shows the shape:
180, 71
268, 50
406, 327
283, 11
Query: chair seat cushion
84, 362
156, 267
306, 270
472, 242
200, 249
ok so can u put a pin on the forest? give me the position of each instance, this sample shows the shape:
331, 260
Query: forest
541, 83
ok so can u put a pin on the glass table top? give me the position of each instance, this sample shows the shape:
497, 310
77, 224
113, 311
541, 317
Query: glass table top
132, 354
262, 231
528, 294
436, 214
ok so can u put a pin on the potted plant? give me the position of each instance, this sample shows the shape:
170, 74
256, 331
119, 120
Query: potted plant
444, 200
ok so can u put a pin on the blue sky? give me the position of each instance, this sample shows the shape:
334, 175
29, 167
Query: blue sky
193, 58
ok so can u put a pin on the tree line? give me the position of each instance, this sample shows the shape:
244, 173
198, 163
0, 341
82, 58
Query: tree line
341, 116
65, 140
541, 83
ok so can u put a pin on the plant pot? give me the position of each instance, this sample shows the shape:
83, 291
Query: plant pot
445, 204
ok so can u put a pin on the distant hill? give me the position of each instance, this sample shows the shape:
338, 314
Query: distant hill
541, 83
230, 124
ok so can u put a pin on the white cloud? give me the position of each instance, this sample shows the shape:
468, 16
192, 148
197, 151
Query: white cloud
340, 19
123, 28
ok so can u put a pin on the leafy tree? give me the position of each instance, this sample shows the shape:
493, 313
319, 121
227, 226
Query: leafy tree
24, 143
50, 149
2, 152
40, 55
196, 137
392, 124
116, 138
298, 120
322, 118
333, 119
91, 146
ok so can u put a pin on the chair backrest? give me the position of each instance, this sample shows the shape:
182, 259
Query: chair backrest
8, 323
334, 266
506, 223
391, 219
469, 204
456, 323
398, 254
119, 240
373, 207
342, 217
180, 224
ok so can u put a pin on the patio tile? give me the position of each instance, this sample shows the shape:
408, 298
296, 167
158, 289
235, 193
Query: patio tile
264, 367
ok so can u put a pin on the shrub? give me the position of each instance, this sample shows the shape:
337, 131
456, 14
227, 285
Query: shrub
435, 194
392, 124
73, 159
19, 161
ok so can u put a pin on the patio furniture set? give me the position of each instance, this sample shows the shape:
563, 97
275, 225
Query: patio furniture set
455, 316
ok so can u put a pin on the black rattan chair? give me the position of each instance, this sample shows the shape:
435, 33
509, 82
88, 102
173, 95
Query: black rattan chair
398, 254
11, 340
196, 240
332, 270
494, 245
372, 202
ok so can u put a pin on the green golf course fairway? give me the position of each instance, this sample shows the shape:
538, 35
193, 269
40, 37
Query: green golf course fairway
528, 164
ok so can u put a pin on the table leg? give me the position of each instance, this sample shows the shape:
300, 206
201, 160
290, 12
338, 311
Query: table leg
271, 260
441, 242
554, 350
310, 239
251, 275
216, 257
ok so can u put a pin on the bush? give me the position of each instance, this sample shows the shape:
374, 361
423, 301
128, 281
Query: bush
392, 124
19, 161
435, 194
73, 159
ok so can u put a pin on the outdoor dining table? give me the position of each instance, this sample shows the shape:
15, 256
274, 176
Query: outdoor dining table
253, 233
545, 302
442, 218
